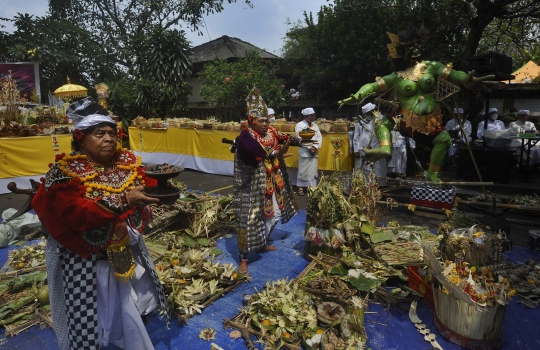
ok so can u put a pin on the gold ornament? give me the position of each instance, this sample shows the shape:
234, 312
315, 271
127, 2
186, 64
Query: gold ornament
413, 73
256, 107
392, 47
447, 70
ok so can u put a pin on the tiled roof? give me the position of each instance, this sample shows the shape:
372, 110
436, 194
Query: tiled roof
225, 47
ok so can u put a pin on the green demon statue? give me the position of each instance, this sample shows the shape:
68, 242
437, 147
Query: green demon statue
415, 82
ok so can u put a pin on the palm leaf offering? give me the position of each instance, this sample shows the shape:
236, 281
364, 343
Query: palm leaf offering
21, 297
400, 245
464, 238
192, 279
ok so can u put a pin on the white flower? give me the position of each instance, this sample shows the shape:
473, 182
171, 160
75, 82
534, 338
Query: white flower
355, 273
316, 339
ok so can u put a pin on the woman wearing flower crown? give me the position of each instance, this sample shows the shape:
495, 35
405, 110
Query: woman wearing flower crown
262, 190
100, 276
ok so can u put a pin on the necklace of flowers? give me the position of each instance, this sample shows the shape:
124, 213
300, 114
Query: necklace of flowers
90, 187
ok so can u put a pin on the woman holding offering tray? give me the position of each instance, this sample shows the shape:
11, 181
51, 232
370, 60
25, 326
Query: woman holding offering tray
101, 279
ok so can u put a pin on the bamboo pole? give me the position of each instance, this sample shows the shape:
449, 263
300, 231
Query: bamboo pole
453, 183
480, 204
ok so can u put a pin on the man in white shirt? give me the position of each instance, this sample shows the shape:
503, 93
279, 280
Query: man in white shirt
458, 138
522, 124
493, 123
365, 137
398, 162
308, 157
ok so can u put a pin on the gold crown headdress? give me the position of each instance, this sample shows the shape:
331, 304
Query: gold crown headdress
394, 43
256, 107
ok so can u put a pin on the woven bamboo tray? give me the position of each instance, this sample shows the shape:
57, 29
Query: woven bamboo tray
183, 318
43, 319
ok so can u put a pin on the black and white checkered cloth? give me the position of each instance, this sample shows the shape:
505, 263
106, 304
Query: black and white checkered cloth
81, 299
434, 194
159, 287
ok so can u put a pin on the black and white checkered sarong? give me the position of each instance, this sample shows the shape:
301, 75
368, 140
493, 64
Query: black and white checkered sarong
159, 287
80, 298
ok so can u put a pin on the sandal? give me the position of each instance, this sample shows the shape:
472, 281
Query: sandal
301, 191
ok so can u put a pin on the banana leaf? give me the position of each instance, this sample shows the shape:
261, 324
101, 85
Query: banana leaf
381, 236
21, 302
4, 287
19, 317
20, 283
365, 284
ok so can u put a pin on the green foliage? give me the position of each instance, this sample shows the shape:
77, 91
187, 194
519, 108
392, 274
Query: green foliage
162, 70
61, 48
346, 47
130, 45
225, 85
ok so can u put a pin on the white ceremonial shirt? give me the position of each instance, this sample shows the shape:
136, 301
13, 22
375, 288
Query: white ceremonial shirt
361, 140
453, 125
519, 126
492, 125
304, 152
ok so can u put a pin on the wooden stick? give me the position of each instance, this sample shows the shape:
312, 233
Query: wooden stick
453, 183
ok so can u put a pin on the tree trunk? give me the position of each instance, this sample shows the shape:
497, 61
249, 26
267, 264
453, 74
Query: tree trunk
486, 11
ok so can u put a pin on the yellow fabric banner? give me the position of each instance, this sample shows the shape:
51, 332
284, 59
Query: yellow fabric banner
207, 144
27, 156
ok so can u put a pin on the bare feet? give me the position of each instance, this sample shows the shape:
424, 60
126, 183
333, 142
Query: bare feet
243, 266
270, 248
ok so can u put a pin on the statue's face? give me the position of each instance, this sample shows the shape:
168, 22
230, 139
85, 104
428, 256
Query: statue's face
412, 51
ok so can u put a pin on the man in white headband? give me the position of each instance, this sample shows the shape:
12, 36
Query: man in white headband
365, 138
493, 123
458, 138
308, 157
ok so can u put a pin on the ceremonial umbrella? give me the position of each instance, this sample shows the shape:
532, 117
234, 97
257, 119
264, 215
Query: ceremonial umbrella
70, 91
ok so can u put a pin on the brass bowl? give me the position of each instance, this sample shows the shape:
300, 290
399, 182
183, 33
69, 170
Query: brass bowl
306, 135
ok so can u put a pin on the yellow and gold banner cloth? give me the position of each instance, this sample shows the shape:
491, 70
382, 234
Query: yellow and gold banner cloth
28, 156
207, 144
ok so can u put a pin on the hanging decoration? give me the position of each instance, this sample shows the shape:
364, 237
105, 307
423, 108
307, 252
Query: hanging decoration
337, 142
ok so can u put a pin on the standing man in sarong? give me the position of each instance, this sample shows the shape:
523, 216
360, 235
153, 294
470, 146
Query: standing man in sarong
308, 157
262, 190
365, 137
458, 138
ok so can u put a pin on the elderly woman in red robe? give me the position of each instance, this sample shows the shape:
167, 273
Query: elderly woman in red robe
102, 281
262, 190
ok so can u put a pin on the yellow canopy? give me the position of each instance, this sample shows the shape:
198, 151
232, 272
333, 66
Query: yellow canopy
526, 73
71, 90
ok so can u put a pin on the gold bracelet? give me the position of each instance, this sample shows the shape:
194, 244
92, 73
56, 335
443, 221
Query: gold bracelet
385, 143
446, 71
382, 84
434, 168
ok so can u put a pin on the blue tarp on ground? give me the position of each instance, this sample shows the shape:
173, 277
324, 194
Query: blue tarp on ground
386, 329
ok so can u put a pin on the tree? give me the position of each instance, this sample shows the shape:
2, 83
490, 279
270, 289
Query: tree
124, 28
347, 46
61, 48
516, 19
132, 45
225, 85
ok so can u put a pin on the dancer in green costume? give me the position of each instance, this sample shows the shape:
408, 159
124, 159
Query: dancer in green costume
415, 81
